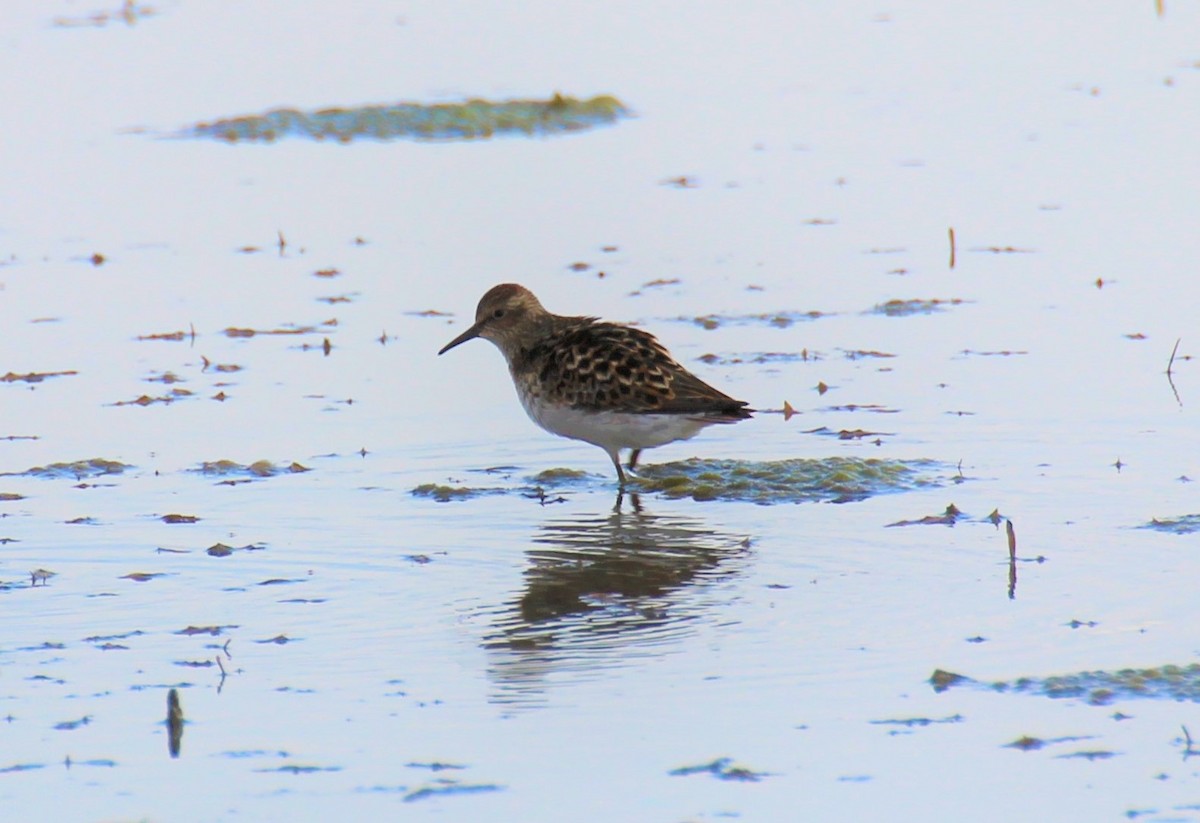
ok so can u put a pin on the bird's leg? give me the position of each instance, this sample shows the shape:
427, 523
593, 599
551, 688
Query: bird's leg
615, 456
633, 458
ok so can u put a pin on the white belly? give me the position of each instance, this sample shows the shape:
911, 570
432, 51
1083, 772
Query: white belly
613, 430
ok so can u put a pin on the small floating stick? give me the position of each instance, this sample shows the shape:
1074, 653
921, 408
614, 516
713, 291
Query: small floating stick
174, 723
1012, 560
1170, 364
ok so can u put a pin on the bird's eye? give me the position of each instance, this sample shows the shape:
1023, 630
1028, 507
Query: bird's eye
498, 313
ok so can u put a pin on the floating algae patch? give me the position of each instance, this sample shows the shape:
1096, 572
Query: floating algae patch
445, 494
1099, 688
561, 476
76, 470
1180, 525
259, 468
470, 120
799, 480
905, 308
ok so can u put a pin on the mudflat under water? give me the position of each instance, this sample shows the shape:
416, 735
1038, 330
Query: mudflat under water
948, 571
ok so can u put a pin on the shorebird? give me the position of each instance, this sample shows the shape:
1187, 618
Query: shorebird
607, 384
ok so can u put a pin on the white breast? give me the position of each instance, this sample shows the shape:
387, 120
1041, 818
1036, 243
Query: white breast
612, 430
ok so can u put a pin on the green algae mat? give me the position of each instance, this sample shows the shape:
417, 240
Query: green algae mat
470, 120
798, 480
1186, 524
1169, 682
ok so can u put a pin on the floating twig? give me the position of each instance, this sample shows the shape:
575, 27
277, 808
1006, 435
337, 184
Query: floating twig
1188, 749
1170, 379
174, 723
1012, 560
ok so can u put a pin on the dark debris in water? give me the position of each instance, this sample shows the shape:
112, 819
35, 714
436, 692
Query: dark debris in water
245, 754
918, 722
435, 766
129, 12
758, 358
1001, 250
142, 577
867, 407
71, 725
35, 376
906, 308
1091, 754
1026, 743
21, 767
470, 120
1000, 353
77, 470
234, 331
101, 638
780, 320
450, 787
222, 550
1099, 688
863, 354
209, 630
722, 768
949, 517
798, 480
846, 434
172, 336
148, 400
1187, 524
299, 769
942, 680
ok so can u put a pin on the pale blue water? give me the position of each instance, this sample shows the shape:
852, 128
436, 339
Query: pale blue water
566, 657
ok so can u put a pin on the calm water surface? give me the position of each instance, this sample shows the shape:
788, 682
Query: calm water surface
369, 652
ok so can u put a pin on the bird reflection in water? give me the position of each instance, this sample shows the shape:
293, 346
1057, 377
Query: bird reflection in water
604, 590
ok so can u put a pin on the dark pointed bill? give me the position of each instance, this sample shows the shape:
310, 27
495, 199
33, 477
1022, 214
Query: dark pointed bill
469, 334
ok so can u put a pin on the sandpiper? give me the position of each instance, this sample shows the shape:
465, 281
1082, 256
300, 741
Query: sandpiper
607, 384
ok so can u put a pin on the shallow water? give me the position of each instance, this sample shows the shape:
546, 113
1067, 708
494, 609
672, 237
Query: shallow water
778, 213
